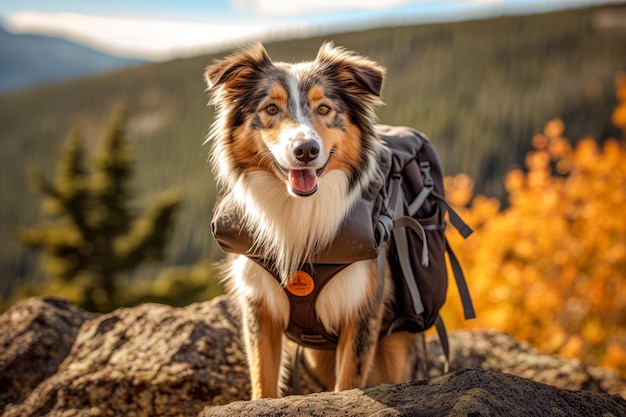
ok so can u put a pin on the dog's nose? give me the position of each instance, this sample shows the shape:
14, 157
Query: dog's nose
306, 151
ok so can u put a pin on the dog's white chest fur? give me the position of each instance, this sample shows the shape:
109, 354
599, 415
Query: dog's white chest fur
253, 282
290, 230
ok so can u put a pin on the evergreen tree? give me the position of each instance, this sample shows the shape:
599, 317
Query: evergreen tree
92, 234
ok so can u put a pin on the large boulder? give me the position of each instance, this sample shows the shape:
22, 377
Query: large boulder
464, 393
151, 360
501, 352
156, 360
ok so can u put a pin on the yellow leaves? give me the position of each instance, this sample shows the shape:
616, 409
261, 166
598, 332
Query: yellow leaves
619, 114
514, 181
554, 128
615, 356
550, 268
551, 145
586, 153
538, 160
573, 347
593, 331
459, 189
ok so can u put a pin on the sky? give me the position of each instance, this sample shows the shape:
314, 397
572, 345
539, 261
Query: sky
161, 30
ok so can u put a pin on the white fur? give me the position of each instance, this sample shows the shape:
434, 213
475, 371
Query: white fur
294, 91
302, 131
223, 166
351, 285
289, 229
252, 282
282, 150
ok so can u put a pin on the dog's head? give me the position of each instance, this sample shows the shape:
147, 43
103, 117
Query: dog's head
298, 121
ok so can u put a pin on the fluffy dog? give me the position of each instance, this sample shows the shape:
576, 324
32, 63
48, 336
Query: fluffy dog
295, 147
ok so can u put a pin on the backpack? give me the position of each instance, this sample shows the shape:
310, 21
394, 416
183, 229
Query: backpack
412, 220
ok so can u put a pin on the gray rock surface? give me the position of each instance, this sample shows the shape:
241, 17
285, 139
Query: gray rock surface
463, 393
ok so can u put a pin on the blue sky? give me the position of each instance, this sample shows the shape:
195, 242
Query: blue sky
160, 29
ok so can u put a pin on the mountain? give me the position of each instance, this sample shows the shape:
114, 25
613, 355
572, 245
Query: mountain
30, 60
479, 89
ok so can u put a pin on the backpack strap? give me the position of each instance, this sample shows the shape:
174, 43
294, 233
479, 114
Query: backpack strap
400, 239
402, 247
429, 186
396, 202
459, 277
466, 299
455, 219
443, 339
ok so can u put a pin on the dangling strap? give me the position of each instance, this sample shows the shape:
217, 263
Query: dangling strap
455, 219
459, 277
443, 339
466, 299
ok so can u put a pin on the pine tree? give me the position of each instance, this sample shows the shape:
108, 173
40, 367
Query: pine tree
91, 234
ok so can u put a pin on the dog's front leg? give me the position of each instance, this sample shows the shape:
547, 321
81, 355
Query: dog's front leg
263, 339
355, 354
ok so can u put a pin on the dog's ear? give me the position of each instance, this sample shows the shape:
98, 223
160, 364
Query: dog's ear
353, 70
238, 68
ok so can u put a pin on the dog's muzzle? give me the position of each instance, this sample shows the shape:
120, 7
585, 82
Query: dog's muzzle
302, 181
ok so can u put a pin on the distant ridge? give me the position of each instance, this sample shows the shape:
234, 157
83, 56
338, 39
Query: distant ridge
30, 60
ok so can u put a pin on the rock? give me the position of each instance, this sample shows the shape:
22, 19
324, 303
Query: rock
151, 360
156, 360
36, 336
501, 352
463, 393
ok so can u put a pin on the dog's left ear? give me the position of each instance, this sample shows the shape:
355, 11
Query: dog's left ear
235, 70
353, 70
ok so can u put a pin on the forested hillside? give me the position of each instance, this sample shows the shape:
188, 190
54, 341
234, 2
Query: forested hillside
479, 89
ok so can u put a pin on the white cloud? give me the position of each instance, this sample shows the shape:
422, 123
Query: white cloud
300, 7
163, 39
138, 37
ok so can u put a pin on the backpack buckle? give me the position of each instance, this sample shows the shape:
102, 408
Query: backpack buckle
428, 179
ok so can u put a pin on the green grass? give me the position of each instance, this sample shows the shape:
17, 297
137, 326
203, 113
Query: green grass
479, 89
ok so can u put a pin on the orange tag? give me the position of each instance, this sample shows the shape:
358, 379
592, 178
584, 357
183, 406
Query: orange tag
301, 284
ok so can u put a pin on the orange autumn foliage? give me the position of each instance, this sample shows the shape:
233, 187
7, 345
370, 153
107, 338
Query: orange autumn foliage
550, 268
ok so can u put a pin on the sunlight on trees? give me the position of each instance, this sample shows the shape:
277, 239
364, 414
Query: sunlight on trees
550, 268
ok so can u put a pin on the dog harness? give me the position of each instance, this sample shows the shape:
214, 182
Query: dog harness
356, 241
304, 328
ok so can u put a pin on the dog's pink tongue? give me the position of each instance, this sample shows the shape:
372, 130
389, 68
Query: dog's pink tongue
302, 180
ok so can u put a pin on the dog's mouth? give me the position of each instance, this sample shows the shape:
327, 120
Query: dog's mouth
302, 181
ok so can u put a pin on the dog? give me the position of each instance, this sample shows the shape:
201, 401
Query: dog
295, 146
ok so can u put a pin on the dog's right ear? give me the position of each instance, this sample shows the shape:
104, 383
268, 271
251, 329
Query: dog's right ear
233, 72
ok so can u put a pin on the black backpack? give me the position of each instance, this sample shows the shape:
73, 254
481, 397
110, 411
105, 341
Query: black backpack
413, 219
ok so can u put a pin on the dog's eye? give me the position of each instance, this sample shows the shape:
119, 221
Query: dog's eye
272, 110
323, 110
